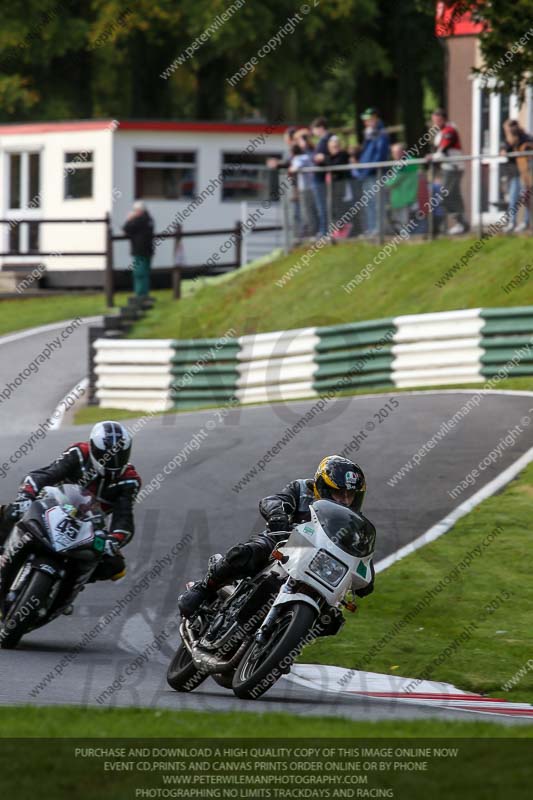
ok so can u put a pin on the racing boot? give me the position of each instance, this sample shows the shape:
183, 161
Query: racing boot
218, 573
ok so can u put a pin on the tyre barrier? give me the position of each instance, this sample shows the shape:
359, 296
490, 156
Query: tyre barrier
440, 349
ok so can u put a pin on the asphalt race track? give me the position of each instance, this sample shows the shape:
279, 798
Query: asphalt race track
26, 400
196, 512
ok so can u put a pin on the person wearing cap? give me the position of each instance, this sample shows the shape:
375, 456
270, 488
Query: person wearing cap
139, 228
376, 147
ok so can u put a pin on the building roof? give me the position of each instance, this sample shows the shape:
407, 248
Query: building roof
138, 125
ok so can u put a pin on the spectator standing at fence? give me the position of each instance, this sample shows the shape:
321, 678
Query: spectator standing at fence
403, 186
319, 128
375, 148
356, 186
341, 194
517, 173
139, 228
446, 147
301, 159
284, 163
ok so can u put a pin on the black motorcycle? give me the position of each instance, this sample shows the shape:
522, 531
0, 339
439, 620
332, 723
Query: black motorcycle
49, 556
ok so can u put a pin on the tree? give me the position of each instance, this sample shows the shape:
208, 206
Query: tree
506, 42
168, 59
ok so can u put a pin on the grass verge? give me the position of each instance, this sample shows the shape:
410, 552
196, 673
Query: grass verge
404, 283
61, 763
19, 314
73, 721
482, 612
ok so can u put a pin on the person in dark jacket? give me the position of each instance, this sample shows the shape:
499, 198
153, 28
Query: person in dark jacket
337, 479
375, 148
341, 194
101, 467
319, 128
139, 227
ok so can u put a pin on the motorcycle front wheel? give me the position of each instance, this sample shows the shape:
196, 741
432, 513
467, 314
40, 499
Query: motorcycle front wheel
264, 663
24, 614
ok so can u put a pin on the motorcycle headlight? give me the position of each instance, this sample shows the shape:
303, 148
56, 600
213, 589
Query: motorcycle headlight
328, 568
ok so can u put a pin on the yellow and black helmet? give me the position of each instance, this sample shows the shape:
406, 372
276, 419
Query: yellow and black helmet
336, 472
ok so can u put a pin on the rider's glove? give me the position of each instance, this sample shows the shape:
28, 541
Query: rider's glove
111, 547
279, 522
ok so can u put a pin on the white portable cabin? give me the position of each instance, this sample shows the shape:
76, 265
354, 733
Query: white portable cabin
183, 171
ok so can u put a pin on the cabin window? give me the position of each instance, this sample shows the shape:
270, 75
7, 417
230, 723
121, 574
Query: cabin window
78, 175
165, 175
245, 176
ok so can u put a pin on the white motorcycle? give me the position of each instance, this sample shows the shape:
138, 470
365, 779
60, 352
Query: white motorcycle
252, 632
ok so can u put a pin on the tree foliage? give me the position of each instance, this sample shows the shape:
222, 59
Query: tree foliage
85, 58
506, 42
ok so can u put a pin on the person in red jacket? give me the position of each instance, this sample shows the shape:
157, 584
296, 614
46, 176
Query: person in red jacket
101, 466
446, 147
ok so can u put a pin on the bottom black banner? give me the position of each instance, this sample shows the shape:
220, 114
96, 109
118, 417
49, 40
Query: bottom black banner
131, 769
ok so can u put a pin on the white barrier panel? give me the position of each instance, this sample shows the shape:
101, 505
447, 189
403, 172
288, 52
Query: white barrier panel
436, 377
437, 354
133, 351
278, 344
276, 371
442, 325
132, 377
275, 393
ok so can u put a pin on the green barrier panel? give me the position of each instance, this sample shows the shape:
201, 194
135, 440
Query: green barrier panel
197, 357
212, 369
503, 355
513, 371
349, 338
512, 311
518, 341
376, 379
205, 382
218, 393
507, 320
370, 366
353, 355
366, 325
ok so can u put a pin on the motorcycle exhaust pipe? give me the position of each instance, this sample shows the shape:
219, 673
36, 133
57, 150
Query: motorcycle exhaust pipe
205, 661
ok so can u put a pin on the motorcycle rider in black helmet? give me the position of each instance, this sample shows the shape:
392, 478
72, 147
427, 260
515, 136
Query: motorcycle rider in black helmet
337, 479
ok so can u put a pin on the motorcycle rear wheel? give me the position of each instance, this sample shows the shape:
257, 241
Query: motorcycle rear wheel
182, 674
263, 664
33, 599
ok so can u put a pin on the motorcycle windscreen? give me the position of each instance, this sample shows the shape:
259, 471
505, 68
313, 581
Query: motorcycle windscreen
347, 529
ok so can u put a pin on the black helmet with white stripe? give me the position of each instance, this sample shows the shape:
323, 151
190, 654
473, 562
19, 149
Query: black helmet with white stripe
110, 447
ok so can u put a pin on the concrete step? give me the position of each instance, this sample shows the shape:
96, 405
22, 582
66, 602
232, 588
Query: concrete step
9, 281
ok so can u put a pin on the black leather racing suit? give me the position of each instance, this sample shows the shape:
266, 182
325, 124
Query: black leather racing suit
116, 497
281, 511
